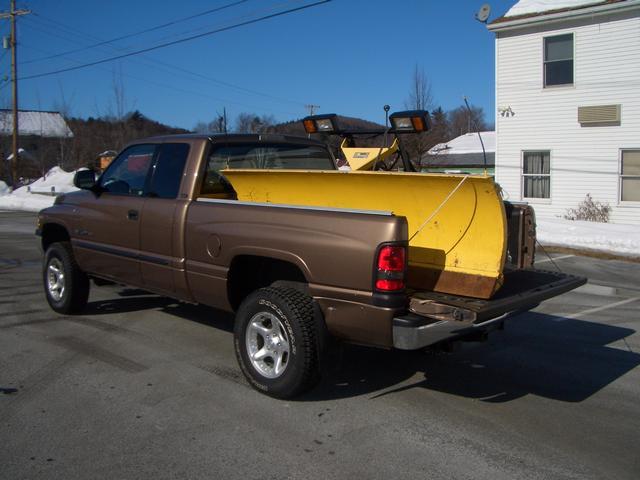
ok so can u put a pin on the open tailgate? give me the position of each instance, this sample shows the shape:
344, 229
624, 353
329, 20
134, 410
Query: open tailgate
438, 316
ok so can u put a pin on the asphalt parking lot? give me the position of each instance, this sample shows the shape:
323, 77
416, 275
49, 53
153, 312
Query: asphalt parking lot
142, 387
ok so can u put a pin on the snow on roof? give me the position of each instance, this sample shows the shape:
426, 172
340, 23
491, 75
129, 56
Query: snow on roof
31, 122
527, 7
467, 143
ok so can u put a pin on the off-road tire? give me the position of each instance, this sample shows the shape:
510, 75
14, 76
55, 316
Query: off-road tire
76, 283
296, 313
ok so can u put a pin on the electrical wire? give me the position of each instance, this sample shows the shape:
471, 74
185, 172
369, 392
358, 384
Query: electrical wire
141, 32
176, 42
173, 68
173, 88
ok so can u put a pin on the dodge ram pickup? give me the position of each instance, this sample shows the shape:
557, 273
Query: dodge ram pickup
212, 220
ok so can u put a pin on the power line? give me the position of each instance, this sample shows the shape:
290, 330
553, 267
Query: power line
175, 42
173, 88
150, 61
141, 32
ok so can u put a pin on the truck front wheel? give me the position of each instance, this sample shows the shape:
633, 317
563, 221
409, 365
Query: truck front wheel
276, 341
66, 286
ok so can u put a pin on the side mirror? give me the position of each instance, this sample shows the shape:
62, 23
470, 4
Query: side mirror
85, 179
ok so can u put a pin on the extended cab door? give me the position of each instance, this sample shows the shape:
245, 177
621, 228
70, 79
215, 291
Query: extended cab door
162, 219
107, 238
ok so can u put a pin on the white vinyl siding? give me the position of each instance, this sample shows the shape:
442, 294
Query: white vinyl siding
585, 159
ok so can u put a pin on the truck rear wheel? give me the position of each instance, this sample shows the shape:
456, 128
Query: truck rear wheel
276, 341
66, 286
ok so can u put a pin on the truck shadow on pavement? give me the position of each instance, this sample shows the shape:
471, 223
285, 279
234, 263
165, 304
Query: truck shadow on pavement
545, 355
553, 357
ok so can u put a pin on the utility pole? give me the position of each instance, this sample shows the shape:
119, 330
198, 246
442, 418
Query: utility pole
14, 79
311, 108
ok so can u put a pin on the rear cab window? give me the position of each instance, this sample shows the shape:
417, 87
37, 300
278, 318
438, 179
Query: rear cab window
259, 156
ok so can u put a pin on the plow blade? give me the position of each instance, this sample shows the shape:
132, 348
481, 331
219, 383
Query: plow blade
457, 224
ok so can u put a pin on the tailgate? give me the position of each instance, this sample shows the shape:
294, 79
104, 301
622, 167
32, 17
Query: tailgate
521, 290
436, 317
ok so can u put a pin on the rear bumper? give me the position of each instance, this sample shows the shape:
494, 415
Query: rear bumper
435, 317
412, 332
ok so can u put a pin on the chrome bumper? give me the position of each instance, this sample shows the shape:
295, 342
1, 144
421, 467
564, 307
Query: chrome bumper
411, 331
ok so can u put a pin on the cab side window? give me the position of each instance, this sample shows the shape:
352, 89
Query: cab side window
168, 170
214, 185
127, 174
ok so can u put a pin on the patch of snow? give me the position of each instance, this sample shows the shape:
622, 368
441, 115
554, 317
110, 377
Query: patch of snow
31, 199
31, 203
4, 189
56, 177
525, 7
467, 143
613, 238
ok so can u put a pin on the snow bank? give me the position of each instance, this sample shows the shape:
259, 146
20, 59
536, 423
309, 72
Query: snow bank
33, 201
56, 177
4, 189
524, 7
601, 237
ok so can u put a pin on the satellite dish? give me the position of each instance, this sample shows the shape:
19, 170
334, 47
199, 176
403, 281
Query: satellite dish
483, 13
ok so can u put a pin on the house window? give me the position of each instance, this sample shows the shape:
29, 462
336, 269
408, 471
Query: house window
536, 174
558, 60
630, 176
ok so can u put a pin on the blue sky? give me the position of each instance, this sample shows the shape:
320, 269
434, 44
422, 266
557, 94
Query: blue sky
350, 57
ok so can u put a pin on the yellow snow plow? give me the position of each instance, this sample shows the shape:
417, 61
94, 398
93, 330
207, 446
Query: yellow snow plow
457, 223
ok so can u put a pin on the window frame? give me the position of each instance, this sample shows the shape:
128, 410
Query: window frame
524, 175
621, 177
152, 171
573, 61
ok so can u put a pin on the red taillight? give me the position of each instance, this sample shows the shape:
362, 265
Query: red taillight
391, 268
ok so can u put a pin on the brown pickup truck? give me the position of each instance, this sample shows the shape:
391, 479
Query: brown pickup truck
163, 217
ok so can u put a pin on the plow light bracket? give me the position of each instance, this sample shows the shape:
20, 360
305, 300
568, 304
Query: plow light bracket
410, 121
327, 123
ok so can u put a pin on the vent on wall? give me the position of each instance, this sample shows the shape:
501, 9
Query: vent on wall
599, 115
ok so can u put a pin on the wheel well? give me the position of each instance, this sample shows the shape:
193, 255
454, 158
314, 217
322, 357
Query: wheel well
248, 273
51, 233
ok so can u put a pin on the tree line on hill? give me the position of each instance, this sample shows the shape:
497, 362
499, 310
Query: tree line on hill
95, 135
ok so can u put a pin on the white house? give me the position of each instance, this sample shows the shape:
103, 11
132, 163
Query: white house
568, 105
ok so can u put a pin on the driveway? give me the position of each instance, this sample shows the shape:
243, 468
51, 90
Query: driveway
144, 387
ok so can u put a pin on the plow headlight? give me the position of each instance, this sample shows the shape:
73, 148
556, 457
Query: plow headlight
410, 121
321, 123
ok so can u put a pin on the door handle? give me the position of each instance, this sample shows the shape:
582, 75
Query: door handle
132, 215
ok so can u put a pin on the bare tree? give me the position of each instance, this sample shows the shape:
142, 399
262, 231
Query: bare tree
461, 121
252, 123
420, 98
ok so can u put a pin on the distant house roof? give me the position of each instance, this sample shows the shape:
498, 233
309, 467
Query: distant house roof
463, 151
469, 160
467, 143
33, 122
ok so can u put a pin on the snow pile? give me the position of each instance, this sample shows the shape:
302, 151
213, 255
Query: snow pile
525, 7
612, 238
56, 177
4, 189
31, 198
